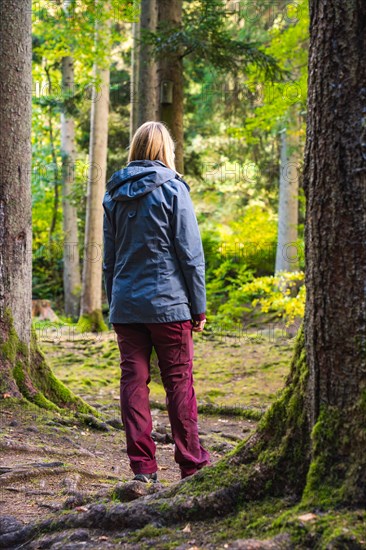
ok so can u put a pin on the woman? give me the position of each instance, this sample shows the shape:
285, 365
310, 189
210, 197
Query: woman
154, 273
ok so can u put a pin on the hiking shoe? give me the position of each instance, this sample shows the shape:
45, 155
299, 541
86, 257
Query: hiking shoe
146, 478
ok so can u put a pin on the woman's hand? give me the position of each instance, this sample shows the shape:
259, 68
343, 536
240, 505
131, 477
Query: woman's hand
198, 325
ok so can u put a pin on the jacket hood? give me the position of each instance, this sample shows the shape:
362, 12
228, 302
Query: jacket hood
138, 178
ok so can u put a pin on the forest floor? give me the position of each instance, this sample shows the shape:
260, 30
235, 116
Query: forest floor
52, 463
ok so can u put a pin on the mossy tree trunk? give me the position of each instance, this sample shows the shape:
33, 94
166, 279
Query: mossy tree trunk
170, 78
91, 297
15, 169
335, 247
23, 369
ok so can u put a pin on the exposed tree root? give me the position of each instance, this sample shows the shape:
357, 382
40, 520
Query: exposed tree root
26, 374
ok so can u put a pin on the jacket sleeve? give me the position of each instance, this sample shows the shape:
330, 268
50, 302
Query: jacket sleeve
108, 255
189, 249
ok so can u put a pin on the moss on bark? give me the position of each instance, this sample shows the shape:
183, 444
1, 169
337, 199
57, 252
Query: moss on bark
337, 473
92, 322
25, 373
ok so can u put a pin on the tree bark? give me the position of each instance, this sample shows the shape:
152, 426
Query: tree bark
286, 256
170, 79
147, 66
335, 184
71, 261
91, 299
56, 176
134, 77
23, 368
15, 167
335, 246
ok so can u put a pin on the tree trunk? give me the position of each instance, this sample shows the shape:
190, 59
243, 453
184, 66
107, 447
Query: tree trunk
147, 66
286, 256
15, 167
134, 77
71, 271
170, 79
56, 176
335, 244
91, 299
23, 369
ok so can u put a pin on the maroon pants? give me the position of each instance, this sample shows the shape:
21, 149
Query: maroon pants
173, 343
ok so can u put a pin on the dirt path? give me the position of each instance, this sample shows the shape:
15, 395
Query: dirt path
46, 466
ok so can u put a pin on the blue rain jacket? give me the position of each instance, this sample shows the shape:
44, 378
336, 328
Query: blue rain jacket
153, 260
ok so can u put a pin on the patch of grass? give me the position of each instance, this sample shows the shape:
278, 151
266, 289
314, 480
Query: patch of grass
148, 532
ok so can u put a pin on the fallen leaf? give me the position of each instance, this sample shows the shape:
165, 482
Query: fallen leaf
187, 528
81, 509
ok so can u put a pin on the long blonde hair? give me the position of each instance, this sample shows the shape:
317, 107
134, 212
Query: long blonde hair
152, 141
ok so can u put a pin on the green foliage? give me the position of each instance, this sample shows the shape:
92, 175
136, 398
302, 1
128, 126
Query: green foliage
206, 34
57, 34
235, 255
286, 301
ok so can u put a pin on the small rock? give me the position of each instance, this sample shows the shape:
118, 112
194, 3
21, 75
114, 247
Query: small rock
14, 423
33, 429
162, 438
161, 429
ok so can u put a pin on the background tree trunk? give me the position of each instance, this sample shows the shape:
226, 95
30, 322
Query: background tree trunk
23, 369
91, 299
288, 205
134, 77
71, 260
170, 79
147, 66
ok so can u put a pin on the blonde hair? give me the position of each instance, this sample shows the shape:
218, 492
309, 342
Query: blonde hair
152, 141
